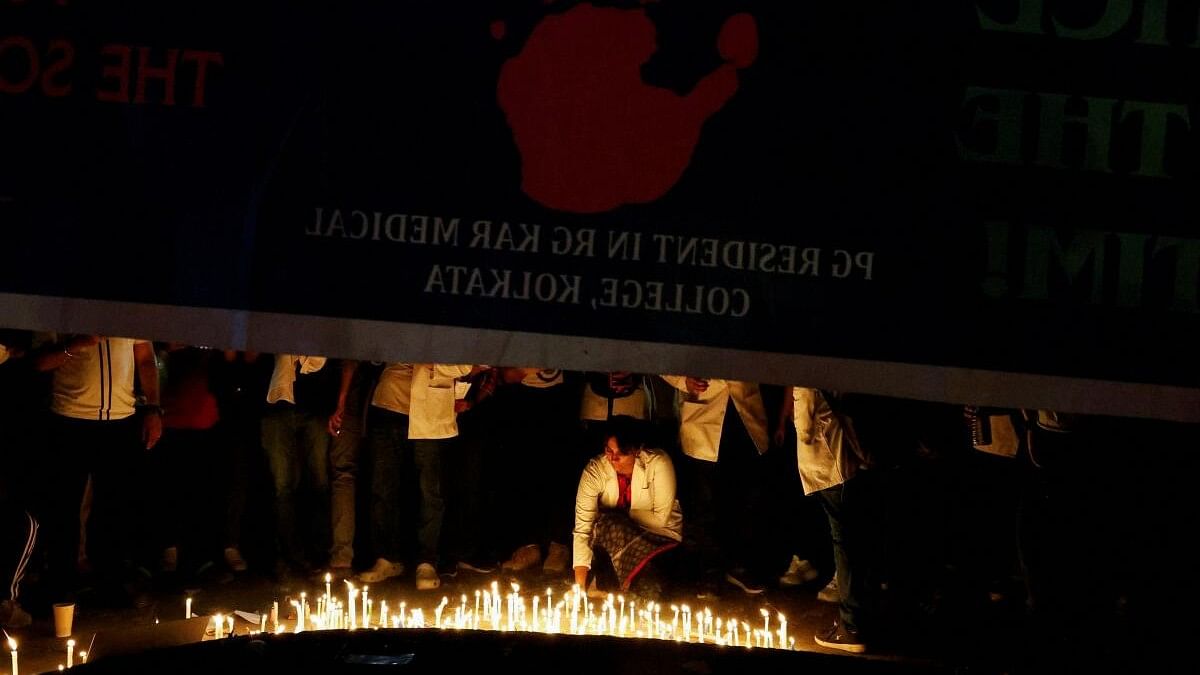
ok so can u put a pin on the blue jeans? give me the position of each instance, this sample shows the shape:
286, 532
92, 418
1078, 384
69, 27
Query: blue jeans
849, 508
400, 464
297, 447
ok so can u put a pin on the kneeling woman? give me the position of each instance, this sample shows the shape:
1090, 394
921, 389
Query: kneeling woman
625, 509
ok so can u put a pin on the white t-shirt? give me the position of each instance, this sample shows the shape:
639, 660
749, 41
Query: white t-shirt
97, 384
425, 393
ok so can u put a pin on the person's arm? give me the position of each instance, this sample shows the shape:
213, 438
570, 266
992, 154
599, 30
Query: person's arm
335, 420
587, 503
452, 371
692, 386
147, 371
54, 354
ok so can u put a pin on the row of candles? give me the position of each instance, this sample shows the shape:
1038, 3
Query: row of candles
12, 646
573, 613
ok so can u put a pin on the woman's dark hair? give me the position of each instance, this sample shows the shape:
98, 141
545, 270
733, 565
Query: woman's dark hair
630, 432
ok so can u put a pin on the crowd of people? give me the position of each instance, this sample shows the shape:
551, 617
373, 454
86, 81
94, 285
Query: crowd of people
128, 461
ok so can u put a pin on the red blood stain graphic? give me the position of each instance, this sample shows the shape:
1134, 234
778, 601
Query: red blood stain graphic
592, 135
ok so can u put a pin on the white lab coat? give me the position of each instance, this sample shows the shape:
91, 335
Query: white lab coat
652, 505
701, 418
429, 403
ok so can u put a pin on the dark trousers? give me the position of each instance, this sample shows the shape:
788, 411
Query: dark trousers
852, 515
297, 447
539, 431
191, 482
471, 497
18, 535
403, 468
724, 514
111, 452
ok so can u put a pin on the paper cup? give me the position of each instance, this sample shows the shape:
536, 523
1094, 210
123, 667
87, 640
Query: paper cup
64, 614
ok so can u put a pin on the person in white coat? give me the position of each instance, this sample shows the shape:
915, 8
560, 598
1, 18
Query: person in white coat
410, 422
723, 431
626, 507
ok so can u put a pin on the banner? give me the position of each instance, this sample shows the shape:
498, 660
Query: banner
986, 201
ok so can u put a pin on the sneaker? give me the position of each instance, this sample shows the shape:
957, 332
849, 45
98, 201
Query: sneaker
830, 592
478, 566
800, 572
427, 577
838, 636
383, 569
12, 615
234, 559
170, 560
557, 559
523, 558
742, 579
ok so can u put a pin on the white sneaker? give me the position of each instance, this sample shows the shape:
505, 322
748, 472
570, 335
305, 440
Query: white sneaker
830, 592
234, 559
556, 560
798, 573
427, 577
383, 569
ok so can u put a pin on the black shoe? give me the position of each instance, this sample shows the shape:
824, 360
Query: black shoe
838, 636
744, 580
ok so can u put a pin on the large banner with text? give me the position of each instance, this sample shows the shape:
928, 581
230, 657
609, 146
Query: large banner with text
1004, 187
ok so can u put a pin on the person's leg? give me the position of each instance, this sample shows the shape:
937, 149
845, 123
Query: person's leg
343, 456
66, 477
279, 443
117, 527
240, 441
316, 441
427, 461
387, 435
18, 536
700, 525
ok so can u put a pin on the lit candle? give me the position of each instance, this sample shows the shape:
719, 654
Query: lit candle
60, 667
766, 622
83, 657
219, 626
187, 609
12, 644
230, 620
783, 641
366, 612
351, 594
275, 615
70, 653
383, 614
328, 587
746, 631
535, 611
262, 622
